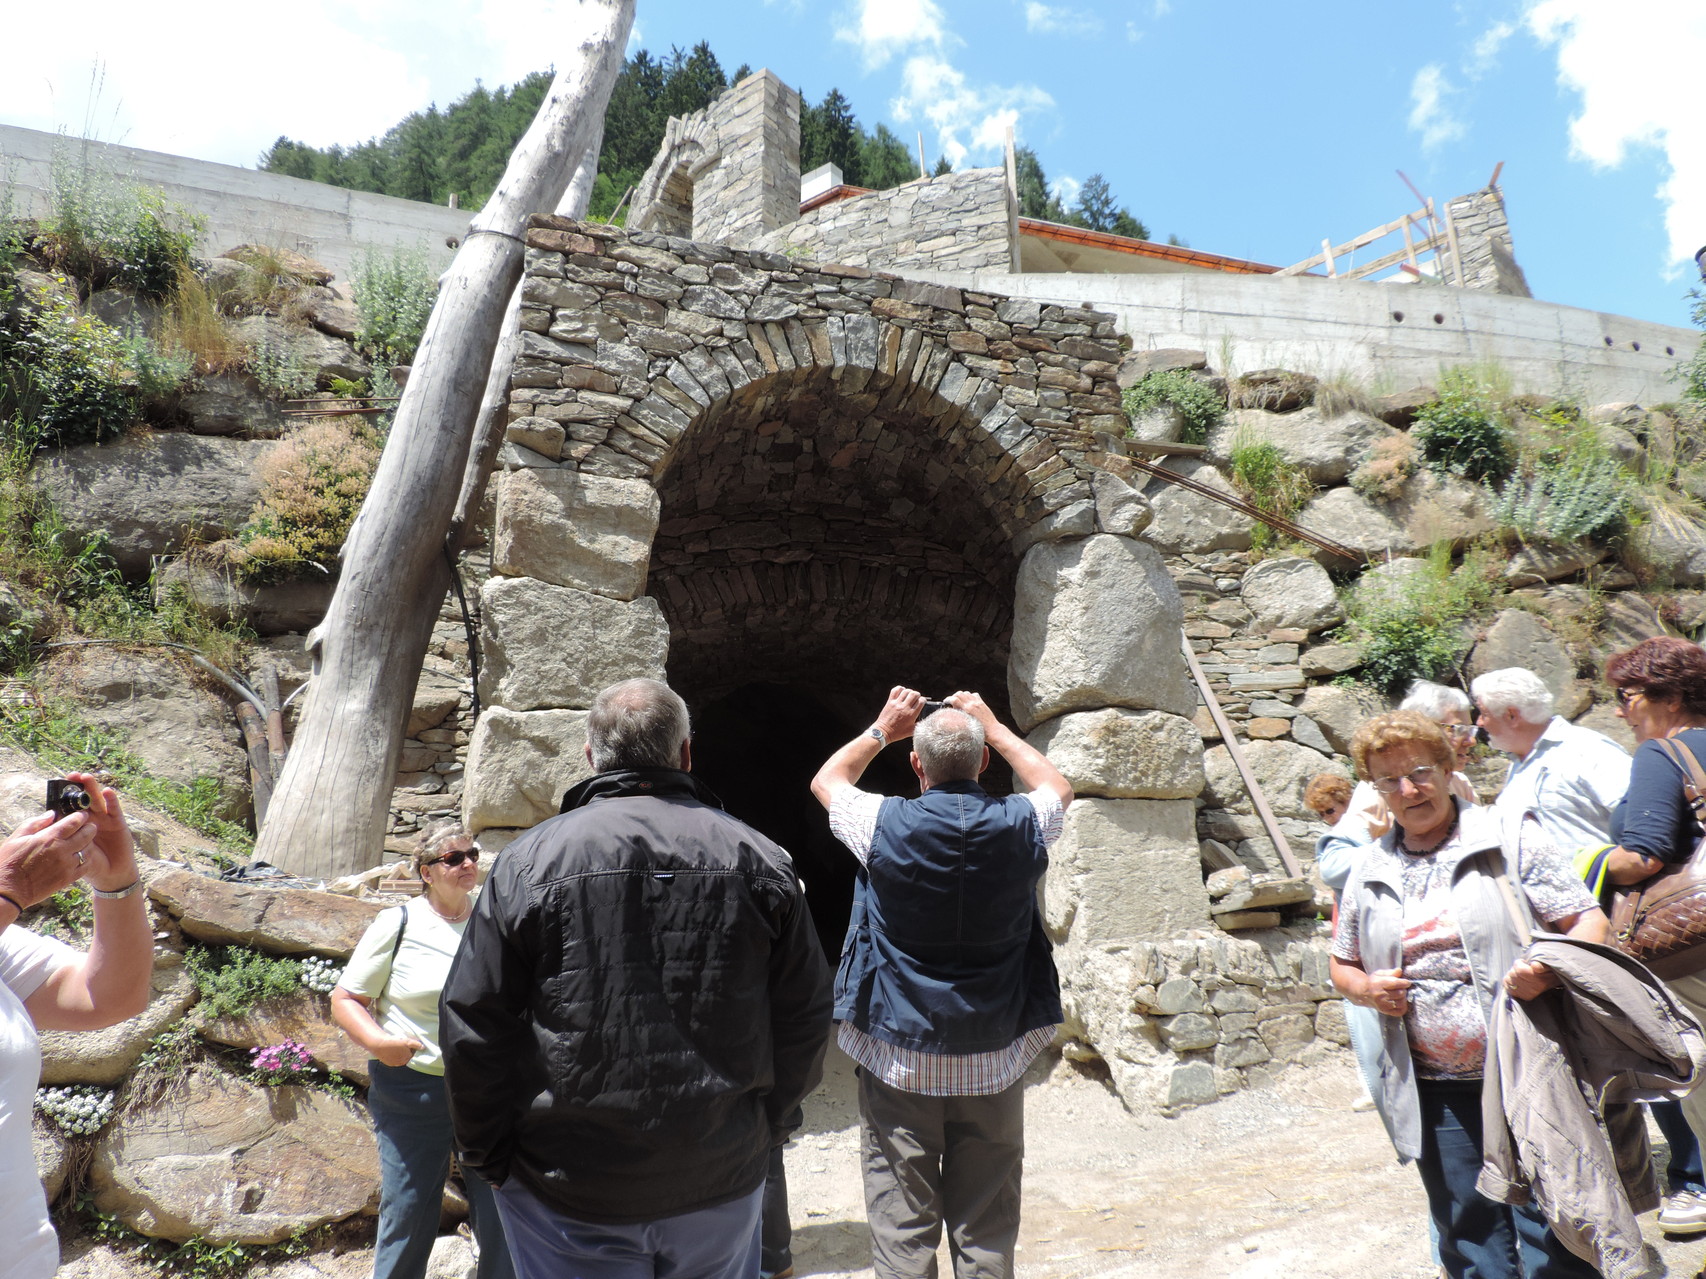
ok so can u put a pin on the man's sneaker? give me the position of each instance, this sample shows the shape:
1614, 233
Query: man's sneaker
1684, 1213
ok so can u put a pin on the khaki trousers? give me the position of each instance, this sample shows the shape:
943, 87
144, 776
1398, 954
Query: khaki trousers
930, 1160
1691, 993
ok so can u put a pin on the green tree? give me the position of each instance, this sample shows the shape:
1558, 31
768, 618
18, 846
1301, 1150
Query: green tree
943, 167
884, 160
1034, 198
830, 135
1097, 210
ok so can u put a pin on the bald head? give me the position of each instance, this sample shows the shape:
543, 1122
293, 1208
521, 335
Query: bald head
949, 746
639, 723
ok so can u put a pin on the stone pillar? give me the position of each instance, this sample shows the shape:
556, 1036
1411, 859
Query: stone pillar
755, 186
1484, 242
564, 615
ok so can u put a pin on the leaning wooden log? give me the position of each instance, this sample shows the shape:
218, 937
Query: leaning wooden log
329, 807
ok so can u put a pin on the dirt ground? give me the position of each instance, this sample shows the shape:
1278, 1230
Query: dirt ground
1285, 1181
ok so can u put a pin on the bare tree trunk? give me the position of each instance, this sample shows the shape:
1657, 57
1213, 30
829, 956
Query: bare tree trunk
328, 811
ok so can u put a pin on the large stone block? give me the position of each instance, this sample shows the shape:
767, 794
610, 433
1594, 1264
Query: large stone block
1291, 592
1187, 523
1119, 754
554, 646
1096, 623
586, 531
284, 921
1519, 638
1338, 712
229, 1161
519, 765
1125, 870
304, 1017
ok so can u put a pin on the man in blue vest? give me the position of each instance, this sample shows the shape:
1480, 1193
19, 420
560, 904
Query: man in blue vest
947, 989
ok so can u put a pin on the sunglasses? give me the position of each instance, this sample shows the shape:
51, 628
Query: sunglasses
1627, 695
455, 859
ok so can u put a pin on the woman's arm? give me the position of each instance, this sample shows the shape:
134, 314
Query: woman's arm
110, 983
1526, 979
1623, 866
354, 1015
1383, 990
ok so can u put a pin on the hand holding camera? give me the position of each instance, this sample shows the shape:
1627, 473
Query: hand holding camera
82, 835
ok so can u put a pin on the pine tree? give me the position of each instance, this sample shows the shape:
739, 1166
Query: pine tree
884, 160
1095, 207
943, 168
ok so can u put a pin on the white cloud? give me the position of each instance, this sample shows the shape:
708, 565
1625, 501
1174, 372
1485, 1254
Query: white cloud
1065, 191
1484, 54
1636, 68
1133, 32
881, 29
1047, 19
967, 118
1430, 112
1162, 8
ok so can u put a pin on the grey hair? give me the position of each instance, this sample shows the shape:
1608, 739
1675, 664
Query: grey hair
1436, 701
639, 723
1514, 688
949, 745
433, 839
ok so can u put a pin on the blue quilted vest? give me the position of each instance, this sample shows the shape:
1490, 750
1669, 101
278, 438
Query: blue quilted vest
945, 951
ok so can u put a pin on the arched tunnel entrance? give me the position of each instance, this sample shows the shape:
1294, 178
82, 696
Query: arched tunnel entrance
815, 550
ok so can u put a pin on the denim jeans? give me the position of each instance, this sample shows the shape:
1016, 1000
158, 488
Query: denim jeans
1478, 1237
711, 1243
411, 1119
1683, 1168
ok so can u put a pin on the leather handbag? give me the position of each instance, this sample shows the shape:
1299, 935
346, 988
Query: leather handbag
1662, 920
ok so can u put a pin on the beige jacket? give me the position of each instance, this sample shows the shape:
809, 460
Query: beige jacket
1613, 1034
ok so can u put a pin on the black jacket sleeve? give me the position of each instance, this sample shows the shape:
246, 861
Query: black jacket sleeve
801, 997
484, 1030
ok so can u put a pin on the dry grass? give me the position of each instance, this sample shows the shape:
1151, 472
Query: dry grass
193, 322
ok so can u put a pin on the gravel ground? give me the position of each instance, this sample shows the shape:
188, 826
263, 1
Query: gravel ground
1285, 1181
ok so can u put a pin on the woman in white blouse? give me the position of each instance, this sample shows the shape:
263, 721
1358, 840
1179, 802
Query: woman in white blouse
47, 985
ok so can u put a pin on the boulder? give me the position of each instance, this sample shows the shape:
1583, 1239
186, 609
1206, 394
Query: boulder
519, 765
1096, 623
1539, 562
1629, 619
1291, 592
271, 608
305, 1017
1125, 870
1120, 509
1519, 638
1339, 712
1161, 424
1121, 754
53, 1155
228, 1161
1390, 580
437, 694
298, 266
1188, 523
120, 309
554, 646
1602, 717
1326, 448
324, 356
1668, 549
283, 921
590, 532
152, 494
108, 1056
1343, 515
1275, 390
1282, 770
1400, 408
231, 404
332, 315
1435, 508
167, 719
1327, 660
1138, 365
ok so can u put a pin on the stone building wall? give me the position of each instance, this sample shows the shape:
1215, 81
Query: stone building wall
1488, 258
729, 173
957, 222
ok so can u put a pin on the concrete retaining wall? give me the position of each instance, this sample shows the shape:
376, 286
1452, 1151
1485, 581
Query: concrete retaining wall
241, 205
1354, 329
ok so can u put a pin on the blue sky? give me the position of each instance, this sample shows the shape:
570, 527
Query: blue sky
1246, 127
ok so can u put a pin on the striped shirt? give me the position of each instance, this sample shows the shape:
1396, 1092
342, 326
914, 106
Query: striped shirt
853, 820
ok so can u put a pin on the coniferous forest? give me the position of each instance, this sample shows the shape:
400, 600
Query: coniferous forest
431, 155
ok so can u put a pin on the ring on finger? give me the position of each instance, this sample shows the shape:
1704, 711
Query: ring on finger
80, 857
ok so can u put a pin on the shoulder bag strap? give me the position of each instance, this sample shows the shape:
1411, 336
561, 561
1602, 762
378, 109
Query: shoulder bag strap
1693, 776
402, 925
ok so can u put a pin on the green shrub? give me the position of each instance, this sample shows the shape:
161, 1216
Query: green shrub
1387, 469
105, 230
312, 485
65, 377
280, 364
1270, 483
1692, 371
159, 367
1196, 401
1583, 496
394, 293
1464, 432
1417, 631
231, 980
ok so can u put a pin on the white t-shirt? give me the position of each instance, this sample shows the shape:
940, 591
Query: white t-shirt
26, 961
406, 996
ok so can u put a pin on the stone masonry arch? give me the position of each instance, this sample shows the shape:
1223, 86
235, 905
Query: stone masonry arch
779, 482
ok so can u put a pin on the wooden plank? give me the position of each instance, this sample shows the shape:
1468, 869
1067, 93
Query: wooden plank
1288, 859
1497, 169
1332, 267
1391, 259
1349, 246
1165, 448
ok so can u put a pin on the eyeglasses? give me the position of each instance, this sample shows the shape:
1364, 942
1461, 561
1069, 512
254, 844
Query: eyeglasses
1462, 732
1417, 777
1627, 695
455, 859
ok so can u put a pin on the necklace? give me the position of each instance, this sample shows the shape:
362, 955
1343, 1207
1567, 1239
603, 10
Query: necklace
467, 908
1433, 845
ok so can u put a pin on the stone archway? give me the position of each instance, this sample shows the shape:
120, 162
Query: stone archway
791, 482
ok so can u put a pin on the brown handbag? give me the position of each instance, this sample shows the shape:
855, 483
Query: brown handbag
1662, 920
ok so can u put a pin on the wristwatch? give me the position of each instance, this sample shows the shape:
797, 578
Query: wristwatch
881, 737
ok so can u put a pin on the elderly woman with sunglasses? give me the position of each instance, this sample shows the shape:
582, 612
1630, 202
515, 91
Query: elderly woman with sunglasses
387, 1002
1425, 940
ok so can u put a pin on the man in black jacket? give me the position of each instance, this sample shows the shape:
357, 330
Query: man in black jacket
638, 1004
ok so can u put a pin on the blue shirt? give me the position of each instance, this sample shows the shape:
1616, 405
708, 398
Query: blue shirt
1654, 819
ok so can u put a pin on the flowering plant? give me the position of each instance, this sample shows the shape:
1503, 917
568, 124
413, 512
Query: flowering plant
281, 1063
80, 1109
320, 974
